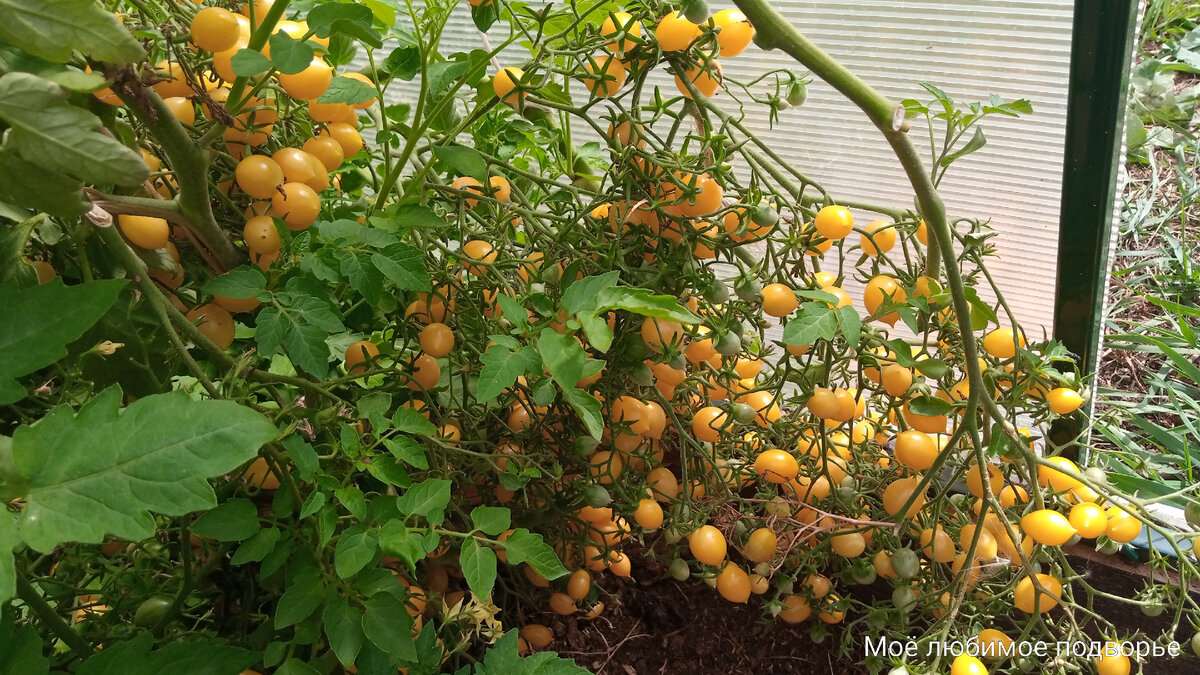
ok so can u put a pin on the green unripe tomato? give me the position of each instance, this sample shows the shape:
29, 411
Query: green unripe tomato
695, 11
1191, 513
797, 94
717, 292
743, 413
679, 570
728, 344
764, 215
903, 598
748, 289
151, 611
905, 563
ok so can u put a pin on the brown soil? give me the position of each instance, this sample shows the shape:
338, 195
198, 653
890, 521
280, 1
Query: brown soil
664, 626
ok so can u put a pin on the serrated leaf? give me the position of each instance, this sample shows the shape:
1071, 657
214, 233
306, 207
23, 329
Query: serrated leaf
588, 408
355, 549
563, 356
478, 567
117, 465
348, 90
501, 368
53, 29
32, 338
49, 132
249, 62
977, 141
512, 310
411, 421
491, 519
403, 62
235, 520
645, 302
816, 321
29, 185
408, 451
462, 161
289, 55
485, 16
388, 625
268, 335
851, 325
351, 20
343, 628
363, 276
404, 266
305, 345
523, 546
581, 296
135, 657
427, 499
246, 281
313, 503
348, 231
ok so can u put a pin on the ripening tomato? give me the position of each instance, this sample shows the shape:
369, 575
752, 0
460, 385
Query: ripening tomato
879, 289
616, 25
144, 231
936, 545
707, 423
776, 466
215, 29
260, 235
915, 450
1002, 343
426, 372
733, 583
761, 545
649, 515
605, 75
479, 251
505, 85
1064, 401
795, 609
346, 136
537, 635
658, 334
501, 189
663, 485
965, 664
848, 544
975, 478
779, 300
310, 83
359, 354
437, 339
707, 545
823, 403
297, 204
1048, 527
1059, 481
675, 33
1114, 664
834, 222
1088, 519
563, 604
215, 323
735, 34
896, 379
1031, 601
898, 492
327, 150
882, 237
259, 176
1122, 526
296, 166
705, 78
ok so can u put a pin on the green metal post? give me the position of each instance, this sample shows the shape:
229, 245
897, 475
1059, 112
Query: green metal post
1101, 48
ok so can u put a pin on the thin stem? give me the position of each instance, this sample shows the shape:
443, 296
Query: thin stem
34, 600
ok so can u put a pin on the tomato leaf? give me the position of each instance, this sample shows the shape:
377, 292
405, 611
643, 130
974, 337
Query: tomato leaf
644, 302
30, 339
491, 519
934, 368
427, 499
410, 421
355, 548
408, 451
977, 141
21, 651
396, 540
851, 325
304, 594
135, 657
348, 90
523, 546
343, 627
249, 62
235, 520
119, 465
462, 161
930, 405
816, 321
305, 345
289, 55
501, 367
344, 19
588, 408
404, 62
257, 547
404, 266
59, 137
29, 185
479, 567
388, 625
246, 281
53, 29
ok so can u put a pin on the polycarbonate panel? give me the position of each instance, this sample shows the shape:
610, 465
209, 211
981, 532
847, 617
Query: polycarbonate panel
1012, 48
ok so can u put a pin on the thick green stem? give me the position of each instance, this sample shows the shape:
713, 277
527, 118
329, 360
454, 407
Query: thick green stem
63, 631
775, 32
190, 164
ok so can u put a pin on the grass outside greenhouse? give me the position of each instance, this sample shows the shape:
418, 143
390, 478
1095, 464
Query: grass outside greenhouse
474, 396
